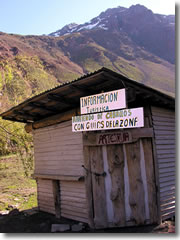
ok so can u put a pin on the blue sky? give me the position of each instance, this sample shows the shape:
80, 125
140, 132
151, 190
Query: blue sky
38, 17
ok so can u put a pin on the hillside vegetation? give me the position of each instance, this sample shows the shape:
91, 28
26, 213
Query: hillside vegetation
17, 191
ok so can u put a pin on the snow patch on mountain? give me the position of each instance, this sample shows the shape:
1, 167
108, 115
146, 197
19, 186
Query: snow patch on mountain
114, 19
89, 26
103, 26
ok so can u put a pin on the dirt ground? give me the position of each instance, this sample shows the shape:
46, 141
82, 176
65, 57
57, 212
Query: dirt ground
34, 221
16, 190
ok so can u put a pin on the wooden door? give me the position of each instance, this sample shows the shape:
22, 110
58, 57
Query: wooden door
98, 186
120, 184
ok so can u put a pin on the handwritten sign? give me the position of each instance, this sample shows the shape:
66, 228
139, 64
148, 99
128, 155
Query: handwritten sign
125, 118
113, 138
103, 102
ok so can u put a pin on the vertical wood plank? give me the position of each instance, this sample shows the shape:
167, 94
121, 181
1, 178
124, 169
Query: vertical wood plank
126, 187
99, 197
136, 196
151, 185
108, 187
89, 190
56, 195
38, 202
144, 179
115, 157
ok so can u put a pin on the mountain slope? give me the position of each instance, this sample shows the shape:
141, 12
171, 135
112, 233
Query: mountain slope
121, 39
29, 65
154, 32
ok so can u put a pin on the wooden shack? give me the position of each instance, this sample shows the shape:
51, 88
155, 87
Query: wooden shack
126, 179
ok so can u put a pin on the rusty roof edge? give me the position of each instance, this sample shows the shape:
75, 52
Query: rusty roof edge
103, 69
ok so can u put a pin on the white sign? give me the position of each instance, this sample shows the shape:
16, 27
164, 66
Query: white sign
126, 118
103, 102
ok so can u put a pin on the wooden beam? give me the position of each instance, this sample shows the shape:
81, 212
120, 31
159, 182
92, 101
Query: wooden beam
35, 115
16, 119
58, 177
57, 98
42, 106
26, 114
84, 89
62, 100
99, 85
89, 139
131, 94
147, 94
62, 117
117, 80
28, 127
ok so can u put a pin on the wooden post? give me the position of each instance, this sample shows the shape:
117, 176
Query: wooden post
89, 191
126, 187
143, 155
136, 196
108, 187
56, 195
115, 158
98, 186
151, 185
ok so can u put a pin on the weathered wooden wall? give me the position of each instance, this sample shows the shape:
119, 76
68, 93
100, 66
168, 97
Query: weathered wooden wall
73, 200
58, 151
45, 195
59, 155
164, 130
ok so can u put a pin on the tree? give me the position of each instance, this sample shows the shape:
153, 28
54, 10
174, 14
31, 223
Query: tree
15, 140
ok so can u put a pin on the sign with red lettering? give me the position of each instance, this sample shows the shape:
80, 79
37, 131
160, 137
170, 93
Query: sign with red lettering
113, 138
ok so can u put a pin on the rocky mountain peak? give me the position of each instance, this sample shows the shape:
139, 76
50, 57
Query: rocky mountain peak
137, 24
69, 28
112, 19
138, 8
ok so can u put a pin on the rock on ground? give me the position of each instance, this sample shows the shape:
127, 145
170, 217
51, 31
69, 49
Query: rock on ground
77, 228
60, 227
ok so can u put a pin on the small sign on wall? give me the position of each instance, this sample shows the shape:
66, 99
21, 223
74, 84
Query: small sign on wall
103, 102
126, 118
113, 138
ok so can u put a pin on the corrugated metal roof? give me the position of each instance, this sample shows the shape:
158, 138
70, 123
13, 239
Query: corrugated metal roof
66, 96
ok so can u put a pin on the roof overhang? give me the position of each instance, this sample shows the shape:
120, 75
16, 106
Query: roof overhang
66, 96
